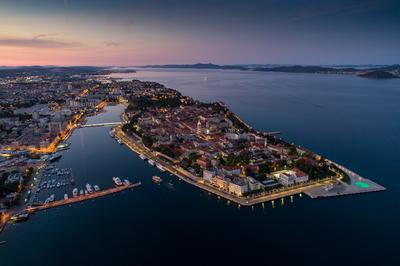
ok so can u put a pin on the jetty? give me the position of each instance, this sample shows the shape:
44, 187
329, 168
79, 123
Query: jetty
97, 194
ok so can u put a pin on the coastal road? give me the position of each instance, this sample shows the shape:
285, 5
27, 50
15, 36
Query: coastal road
191, 179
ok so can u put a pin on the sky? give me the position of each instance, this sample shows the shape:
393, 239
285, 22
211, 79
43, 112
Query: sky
140, 32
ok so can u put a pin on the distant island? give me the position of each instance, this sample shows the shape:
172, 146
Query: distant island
385, 72
378, 74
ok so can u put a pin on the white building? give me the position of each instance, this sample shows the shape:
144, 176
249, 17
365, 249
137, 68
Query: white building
291, 177
238, 187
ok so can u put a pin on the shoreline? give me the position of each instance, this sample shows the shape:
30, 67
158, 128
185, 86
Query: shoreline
185, 176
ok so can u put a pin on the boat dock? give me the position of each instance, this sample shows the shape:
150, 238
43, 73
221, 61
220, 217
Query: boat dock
80, 198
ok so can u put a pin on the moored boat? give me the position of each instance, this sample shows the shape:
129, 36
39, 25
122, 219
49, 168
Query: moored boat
63, 146
159, 166
157, 179
89, 188
54, 157
117, 181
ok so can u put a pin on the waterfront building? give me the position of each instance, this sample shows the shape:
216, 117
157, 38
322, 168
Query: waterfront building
291, 177
238, 187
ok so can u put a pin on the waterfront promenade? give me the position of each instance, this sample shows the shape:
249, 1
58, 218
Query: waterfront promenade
196, 181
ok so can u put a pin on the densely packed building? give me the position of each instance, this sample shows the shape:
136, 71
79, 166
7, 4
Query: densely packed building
214, 144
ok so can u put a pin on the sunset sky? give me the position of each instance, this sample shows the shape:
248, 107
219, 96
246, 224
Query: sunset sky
122, 32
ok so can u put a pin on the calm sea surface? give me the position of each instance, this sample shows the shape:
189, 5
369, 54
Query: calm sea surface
351, 120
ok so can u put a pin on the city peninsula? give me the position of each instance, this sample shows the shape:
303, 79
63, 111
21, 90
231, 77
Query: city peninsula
204, 144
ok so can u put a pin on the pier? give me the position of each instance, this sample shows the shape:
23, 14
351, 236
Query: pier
80, 198
357, 185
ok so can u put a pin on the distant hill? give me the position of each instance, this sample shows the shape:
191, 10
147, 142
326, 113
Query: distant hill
199, 66
378, 74
367, 72
306, 69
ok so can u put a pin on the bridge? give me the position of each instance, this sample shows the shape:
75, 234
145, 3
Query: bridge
110, 124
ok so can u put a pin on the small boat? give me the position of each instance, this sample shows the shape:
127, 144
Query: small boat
55, 157
142, 157
63, 146
58, 184
96, 188
89, 188
81, 192
111, 134
86, 192
159, 166
157, 179
72, 181
21, 217
50, 199
117, 181
3, 242
151, 162
127, 182
75, 192
65, 196
170, 185
120, 142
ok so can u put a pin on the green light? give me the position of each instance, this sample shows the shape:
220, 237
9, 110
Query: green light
361, 184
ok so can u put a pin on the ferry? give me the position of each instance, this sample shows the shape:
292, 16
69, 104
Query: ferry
65, 196
89, 188
55, 157
159, 166
117, 181
127, 182
151, 162
96, 188
75, 192
142, 157
157, 179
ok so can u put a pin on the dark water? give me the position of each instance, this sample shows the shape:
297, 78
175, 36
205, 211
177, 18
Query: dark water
351, 120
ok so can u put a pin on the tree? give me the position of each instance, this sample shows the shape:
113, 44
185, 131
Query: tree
147, 141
